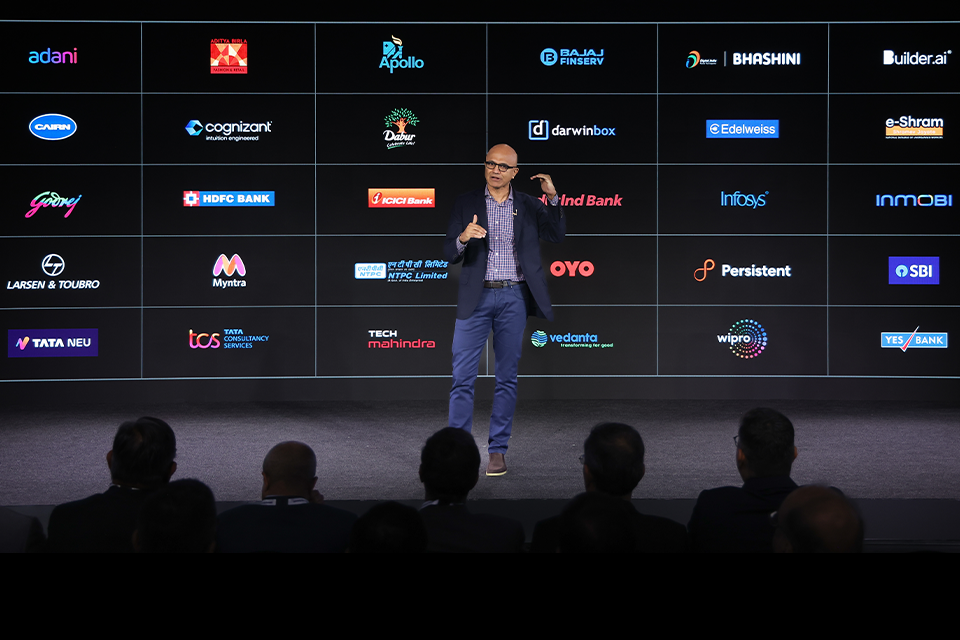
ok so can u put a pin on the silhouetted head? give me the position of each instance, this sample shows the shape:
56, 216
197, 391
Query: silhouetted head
179, 518
613, 459
289, 469
449, 465
816, 519
765, 444
595, 522
143, 453
389, 527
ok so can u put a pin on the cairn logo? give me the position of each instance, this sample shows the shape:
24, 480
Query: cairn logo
227, 338
743, 128
393, 56
229, 267
541, 130
576, 57
747, 338
51, 199
910, 128
53, 57
904, 341
694, 59
922, 200
737, 199
53, 126
913, 270
401, 119
228, 198
571, 269
539, 339
51, 343
228, 56
400, 198
915, 59
396, 344
587, 200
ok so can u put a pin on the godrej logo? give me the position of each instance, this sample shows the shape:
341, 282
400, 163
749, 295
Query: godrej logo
53, 126
747, 338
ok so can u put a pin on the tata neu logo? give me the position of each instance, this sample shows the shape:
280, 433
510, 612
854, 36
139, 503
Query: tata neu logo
400, 198
572, 269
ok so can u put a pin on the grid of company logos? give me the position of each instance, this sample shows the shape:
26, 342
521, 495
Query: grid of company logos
742, 200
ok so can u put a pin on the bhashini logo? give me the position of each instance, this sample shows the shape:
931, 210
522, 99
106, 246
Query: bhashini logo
53, 57
393, 56
402, 271
53, 126
227, 339
228, 56
913, 200
540, 130
400, 198
747, 338
225, 131
910, 128
571, 340
51, 343
51, 199
386, 339
401, 119
753, 271
766, 59
914, 340
587, 200
568, 268
229, 267
53, 265
228, 198
694, 59
577, 57
915, 59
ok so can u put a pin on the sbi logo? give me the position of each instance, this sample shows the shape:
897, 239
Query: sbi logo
548, 57
539, 339
53, 126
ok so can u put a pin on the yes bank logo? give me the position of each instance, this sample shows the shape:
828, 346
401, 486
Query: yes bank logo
916, 340
576, 57
53, 126
913, 270
541, 130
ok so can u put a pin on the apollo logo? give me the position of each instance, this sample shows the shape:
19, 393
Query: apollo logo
747, 338
571, 269
53, 126
393, 56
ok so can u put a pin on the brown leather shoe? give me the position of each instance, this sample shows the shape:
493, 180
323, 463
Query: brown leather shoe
497, 465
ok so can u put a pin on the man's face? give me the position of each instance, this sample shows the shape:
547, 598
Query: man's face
496, 178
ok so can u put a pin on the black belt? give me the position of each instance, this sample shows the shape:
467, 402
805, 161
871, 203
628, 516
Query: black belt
500, 284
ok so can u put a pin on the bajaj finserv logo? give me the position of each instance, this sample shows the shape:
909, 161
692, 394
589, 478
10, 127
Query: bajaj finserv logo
743, 128
916, 340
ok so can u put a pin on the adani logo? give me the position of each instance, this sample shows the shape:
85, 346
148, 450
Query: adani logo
229, 267
915, 340
53, 126
400, 198
747, 338
51, 343
913, 269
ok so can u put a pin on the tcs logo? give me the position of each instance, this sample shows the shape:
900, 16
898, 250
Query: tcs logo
571, 269
204, 340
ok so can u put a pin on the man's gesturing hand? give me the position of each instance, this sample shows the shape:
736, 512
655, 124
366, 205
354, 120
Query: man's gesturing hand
473, 230
546, 183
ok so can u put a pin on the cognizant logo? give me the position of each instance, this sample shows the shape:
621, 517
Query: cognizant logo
540, 130
227, 130
737, 199
922, 200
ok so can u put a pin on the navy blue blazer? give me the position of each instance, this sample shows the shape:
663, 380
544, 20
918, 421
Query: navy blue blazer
533, 221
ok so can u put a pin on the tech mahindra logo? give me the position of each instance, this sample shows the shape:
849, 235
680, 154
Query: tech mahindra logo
587, 200
231, 339
228, 198
396, 344
694, 60
923, 200
229, 267
550, 57
53, 126
401, 119
743, 128
51, 199
916, 58
400, 198
753, 271
904, 341
747, 338
228, 56
225, 130
571, 269
393, 56
737, 199
766, 59
908, 127
540, 130
913, 270
51, 343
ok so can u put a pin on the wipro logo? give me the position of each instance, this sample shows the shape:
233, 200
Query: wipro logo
747, 338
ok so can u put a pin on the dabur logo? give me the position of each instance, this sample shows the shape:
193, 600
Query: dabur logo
915, 340
550, 57
694, 59
915, 59
228, 198
53, 126
401, 119
400, 198
913, 270
53, 57
228, 56
572, 269
747, 338
226, 339
737, 199
910, 128
540, 130
229, 267
393, 56
51, 199
51, 343
386, 339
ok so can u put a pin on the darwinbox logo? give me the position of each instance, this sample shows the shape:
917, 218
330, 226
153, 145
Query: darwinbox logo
386, 339
913, 270
743, 128
747, 338
694, 59
228, 198
572, 340
400, 198
915, 59
550, 57
922, 200
587, 200
910, 128
540, 130
51, 199
229, 267
228, 56
753, 271
51, 343
225, 130
393, 56
401, 119
228, 339
402, 271
53, 126
53, 265
915, 340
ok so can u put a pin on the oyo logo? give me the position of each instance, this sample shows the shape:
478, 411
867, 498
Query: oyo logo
915, 58
916, 340
53, 57
913, 270
228, 56
737, 199
571, 269
228, 198
539, 339
52, 265
400, 198
541, 130
204, 340
53, 126
701, 274
52, 199
922, 200
401, 119
393, 56
747, 338
234, 264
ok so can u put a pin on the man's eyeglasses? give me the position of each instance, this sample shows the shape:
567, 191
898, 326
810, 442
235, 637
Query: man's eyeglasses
494, 165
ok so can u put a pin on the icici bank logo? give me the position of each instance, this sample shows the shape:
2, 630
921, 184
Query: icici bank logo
572, 269
204, 340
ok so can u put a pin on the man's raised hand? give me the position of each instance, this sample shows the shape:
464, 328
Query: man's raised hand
546, 183
474, 230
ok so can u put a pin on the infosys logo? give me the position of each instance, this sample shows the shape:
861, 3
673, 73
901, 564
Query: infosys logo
53, 126
737, 199
747, 338
915, 340
743, 128
228, 198
915, 59
51, 343
400, 198
540, 130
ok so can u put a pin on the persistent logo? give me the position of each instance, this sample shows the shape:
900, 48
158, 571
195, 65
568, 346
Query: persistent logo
52, 199
53, 57
909, 128
904, 341
402, 271
228, 198
401, 119
743, 128
53, 266
746, 338
587, 200
766, 59
571, 269
229, 267
228, 339
694, 59
916, 58
51, 343
753, 271
550, 57
737, 199
400, 198
226, 130
396, 344
913, 270
393, 56
570, 340
228, 56
53, 126
923, 200
540, 130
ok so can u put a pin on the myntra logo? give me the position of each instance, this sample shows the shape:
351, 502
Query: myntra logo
916, 340
229, 267
52, 199
397, 198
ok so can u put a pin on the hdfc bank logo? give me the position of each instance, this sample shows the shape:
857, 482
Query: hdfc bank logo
400, 198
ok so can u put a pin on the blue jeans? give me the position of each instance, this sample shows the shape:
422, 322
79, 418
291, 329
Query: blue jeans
505, 312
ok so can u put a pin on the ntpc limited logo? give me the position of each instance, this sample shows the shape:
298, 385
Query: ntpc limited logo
393, 56
747, 338
53, 126
743, 128
913, 270
904, 341
540, 130
550, 57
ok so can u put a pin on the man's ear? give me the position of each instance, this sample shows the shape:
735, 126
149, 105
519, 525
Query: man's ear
741, 458
795, 451
588, 482
110, 460
173, 470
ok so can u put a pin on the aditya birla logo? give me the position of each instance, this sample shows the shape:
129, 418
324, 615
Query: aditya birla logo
228, 56
401, 119
406, 198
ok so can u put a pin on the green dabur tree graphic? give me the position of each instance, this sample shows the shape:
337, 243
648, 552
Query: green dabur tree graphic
401, 119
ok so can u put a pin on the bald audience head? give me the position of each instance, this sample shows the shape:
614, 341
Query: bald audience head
289, 469
817, 519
